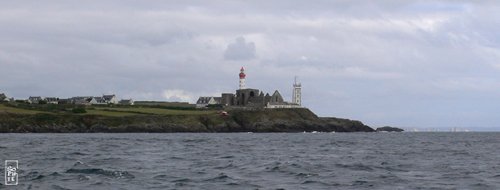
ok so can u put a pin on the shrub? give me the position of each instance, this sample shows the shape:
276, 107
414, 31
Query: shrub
79, 110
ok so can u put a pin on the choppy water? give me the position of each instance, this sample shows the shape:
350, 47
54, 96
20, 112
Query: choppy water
255, 161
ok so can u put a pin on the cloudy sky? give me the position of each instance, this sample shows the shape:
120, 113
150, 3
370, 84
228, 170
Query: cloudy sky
412, 63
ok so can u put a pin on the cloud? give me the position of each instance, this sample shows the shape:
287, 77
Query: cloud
240, 50
177, 95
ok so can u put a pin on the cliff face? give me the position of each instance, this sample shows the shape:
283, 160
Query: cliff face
269, 120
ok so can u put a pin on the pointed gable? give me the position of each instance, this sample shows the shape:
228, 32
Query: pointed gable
276, 97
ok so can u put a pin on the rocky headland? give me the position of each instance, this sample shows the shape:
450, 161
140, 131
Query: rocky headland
265, 120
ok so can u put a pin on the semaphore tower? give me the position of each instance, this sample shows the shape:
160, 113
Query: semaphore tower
242, 78
297, 94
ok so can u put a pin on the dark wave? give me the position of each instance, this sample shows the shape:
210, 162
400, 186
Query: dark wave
81, 168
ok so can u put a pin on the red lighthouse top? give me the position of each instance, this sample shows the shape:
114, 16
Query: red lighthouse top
242, 73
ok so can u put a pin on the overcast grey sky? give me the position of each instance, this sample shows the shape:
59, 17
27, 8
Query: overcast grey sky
411, 63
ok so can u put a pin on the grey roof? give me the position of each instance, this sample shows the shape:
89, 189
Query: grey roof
203, 100
206, 100
108, 97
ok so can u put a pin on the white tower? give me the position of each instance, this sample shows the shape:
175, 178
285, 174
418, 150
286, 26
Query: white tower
297, 94
242, 78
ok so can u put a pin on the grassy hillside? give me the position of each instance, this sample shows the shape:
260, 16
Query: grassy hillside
8, 109
156, 111
64, 118
102, 110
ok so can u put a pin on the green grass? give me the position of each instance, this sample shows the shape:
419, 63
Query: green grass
157, 111
7, 109
108, 113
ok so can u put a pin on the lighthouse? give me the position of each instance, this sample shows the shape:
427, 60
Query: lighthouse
297, 94
242, 78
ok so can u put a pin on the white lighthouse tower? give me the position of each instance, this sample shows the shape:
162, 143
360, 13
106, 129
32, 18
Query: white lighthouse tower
242, 78
297, 94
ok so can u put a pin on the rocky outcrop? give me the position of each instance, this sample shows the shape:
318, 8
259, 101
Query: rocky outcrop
265, 120
389, 129
346, 125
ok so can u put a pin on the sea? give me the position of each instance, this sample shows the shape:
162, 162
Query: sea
408, 160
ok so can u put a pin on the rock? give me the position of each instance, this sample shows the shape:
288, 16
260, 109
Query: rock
389, 129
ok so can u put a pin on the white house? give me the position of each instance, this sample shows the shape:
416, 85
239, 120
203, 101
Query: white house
35, 99
205, 101
110, 99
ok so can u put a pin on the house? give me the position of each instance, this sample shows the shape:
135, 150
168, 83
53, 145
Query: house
65, 101
126, 102
110, 99
84, 100
205, 101
35, 99
52, 100
100, 100
3, 98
